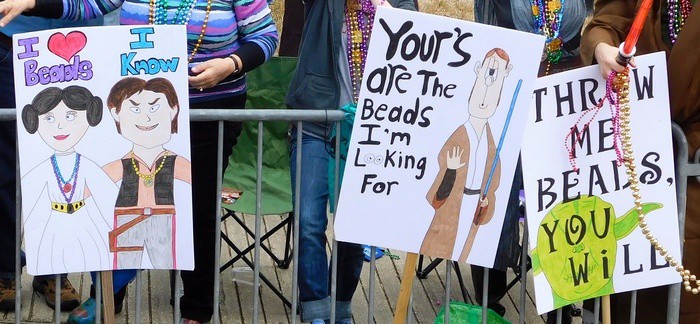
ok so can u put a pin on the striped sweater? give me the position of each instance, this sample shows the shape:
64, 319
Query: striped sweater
244, 27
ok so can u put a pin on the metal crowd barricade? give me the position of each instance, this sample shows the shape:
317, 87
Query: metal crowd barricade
683, 171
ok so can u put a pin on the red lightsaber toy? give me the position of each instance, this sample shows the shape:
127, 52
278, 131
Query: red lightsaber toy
627, 48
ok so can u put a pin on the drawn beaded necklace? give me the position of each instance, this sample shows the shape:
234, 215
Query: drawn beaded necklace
359, 15
678, 12
148, 179
66, 188
547, 15
158, 15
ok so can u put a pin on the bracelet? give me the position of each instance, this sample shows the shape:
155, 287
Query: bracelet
236, 68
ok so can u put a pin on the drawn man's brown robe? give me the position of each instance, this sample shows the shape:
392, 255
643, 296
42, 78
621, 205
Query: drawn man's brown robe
440, 239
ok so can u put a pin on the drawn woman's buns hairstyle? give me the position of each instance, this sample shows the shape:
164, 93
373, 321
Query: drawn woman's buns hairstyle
74, 97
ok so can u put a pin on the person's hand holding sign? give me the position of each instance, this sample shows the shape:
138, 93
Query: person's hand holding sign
606, 56
10, 9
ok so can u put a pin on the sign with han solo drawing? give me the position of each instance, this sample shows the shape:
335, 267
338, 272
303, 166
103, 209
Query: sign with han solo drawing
436, 136
104, 148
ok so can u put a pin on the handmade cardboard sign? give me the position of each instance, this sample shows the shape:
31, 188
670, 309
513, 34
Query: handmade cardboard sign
436, 136
103, 130
584, 236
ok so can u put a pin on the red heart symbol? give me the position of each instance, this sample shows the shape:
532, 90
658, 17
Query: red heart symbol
68, 45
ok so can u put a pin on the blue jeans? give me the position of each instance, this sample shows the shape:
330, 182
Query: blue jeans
120, 278
314, 273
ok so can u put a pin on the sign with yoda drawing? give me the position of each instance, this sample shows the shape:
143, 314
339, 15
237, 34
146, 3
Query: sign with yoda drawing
585, 237
104, 149
436, 136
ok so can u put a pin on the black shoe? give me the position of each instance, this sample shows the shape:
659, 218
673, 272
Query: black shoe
118, 298
498, 308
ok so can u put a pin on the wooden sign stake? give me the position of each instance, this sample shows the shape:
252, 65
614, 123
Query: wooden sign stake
107, 297
409, 273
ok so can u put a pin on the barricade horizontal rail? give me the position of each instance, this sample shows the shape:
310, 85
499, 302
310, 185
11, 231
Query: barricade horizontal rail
237, 115
683, 170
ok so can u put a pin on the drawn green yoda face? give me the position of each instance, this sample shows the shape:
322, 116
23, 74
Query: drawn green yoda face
577, 245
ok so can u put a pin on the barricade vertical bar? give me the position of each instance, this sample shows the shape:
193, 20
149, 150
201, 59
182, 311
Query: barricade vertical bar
448, 290
258, 209
681, 148
633, 307
98, 298
295, 250
485, 297
137, 301
18, 243
559, 316
372, 281
523, 273
176, 296
596, 310
57, 299
334, 251
217, 223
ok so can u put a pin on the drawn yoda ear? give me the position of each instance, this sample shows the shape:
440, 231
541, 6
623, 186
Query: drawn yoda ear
477, 67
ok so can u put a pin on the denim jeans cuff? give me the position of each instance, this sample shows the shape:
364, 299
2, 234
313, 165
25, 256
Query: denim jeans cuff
7, 275
316, 309
343, 311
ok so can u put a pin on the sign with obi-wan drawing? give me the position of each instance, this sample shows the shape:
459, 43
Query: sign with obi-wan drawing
585, 238
103, 131
436, 136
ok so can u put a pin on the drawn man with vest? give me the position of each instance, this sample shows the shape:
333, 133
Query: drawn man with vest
145, 113
466, 163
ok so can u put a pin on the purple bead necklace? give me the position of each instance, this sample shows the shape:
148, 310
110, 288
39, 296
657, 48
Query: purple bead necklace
359, 15
678, 12
65, 186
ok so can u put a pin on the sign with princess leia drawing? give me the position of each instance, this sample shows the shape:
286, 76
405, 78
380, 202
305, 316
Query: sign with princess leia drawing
436, 136
586, 236
103, 130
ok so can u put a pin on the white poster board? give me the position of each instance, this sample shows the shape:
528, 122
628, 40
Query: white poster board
103, 131
434, 88
582, 245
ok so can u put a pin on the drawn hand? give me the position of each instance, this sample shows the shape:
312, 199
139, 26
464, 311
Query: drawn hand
480, 212
12, 8
209, 73
606, 56
454, 158
484, 202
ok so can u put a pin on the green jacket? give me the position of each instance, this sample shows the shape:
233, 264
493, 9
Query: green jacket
316, 81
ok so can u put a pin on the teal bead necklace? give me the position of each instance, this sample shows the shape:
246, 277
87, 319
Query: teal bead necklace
158, 15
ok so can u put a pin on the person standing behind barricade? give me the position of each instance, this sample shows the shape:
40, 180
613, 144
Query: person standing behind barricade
44, 285
561, 22
331, 57
226, 39
673, 26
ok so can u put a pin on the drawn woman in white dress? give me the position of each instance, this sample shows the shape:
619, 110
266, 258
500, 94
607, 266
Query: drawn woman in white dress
67, 200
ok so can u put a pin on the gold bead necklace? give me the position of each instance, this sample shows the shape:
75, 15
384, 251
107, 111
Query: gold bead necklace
621, 83
152, 21
148, 178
